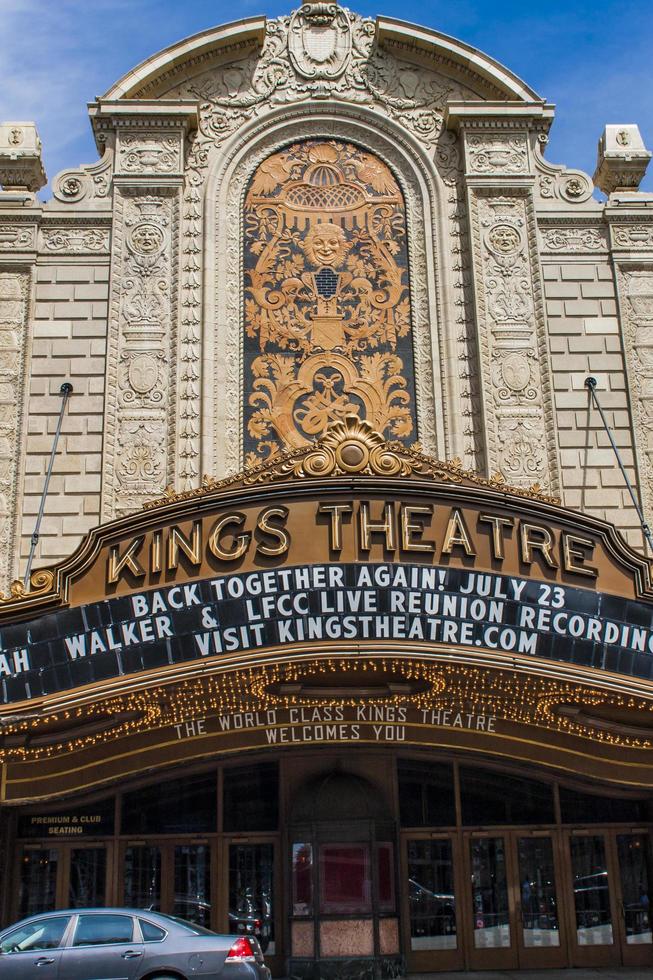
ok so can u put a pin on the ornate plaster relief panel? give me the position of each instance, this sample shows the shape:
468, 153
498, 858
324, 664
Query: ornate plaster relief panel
393, 102
518, 407
16, 237
570, 236
229, 301
327, 316
139, 423
14, 312
636, 299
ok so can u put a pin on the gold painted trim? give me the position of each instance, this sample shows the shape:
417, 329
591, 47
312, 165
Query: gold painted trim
558, 670
526, 760
321, 468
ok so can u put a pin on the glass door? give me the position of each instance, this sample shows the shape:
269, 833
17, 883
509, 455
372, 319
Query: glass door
490, 911
192, 880
635, 880
169, 876
540, 929
512, 902
434, 940
251, 892
141, 877
594, 936
38, 875
87, 876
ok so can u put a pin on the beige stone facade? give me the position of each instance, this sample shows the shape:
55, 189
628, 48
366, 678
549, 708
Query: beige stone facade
128, 282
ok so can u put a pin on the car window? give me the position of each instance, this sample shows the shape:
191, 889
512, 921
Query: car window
99, 929
41, 934
151, 933
191, 927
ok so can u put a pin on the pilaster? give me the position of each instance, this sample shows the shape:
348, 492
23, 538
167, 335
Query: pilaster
629, 217
499, 141
140, 453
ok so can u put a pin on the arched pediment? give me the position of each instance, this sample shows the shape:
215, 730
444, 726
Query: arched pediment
360, 43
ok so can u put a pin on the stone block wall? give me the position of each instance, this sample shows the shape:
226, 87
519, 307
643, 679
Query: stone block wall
69, 340
585, 339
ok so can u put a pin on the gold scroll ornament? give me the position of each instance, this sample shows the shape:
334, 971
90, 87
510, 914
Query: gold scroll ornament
327, 307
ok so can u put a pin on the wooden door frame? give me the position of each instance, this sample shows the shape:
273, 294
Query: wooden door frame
488, 958
539, 957
635, 954
62, 884
281, 898
591, 956
432, 960
79, 845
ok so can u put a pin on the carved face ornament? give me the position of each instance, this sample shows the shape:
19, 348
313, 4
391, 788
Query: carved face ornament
326, 244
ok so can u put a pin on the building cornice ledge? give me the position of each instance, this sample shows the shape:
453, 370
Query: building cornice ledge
250, 29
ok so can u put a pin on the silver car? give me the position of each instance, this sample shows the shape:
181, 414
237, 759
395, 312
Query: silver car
124, 944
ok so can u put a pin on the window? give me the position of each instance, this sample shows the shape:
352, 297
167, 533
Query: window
489, 798
150, 932
102, 930
183, 806
251, 798
426, 794
576, 807
192, 928
302, 879
42, 934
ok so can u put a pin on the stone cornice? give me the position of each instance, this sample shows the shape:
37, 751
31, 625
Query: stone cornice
464, 57
135, 114
500, 116
144, 76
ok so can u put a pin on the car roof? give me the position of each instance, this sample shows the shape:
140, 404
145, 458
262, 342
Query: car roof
146, 913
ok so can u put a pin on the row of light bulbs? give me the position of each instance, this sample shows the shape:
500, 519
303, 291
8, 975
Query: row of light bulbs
508, 695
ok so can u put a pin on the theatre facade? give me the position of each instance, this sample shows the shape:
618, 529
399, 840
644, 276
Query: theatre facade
340, 625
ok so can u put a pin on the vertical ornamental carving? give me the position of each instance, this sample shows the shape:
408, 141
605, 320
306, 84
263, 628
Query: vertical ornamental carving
138, 427
328, 325
512, 338
14, 306
636, 293
318, 54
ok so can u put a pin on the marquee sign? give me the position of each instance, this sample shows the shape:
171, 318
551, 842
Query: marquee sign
344, 605
346, 545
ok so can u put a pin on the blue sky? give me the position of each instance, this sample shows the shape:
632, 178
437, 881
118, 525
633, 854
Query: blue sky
594, 60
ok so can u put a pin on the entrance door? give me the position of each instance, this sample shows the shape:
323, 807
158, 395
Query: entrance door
488, 908
512, 901
65, 876
251, 891
86, 868
434, 940
635, 880
595, 933
540, 928
169, 876
38, 879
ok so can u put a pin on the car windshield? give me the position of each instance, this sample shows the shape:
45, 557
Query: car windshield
191, 927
